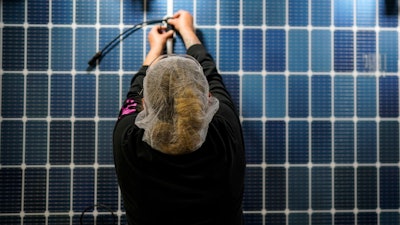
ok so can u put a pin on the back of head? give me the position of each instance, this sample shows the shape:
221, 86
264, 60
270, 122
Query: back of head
178, 107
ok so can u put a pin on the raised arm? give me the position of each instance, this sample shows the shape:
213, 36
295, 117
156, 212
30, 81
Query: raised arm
157, 38
183, 23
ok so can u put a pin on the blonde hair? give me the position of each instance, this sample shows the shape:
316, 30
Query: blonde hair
177, 106
189, 122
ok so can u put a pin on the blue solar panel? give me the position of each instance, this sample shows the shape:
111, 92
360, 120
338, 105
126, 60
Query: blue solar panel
61, 96
252, 53
37, 95
253, 141
61, 49
343, 51
388, 54
344, 96
366, 187
321, 51
275, 13
38, 12
321, 136
389, 186
85, 95
11, 142
206, 12
299, 218
275, 194
253, 85
298, 96
366, 96
13, 12
321, 218
252, 12
252, 199
275, 92
59, 189
388, 96
366, 51
35, 190
109, 95
84, 142
315, 84
227, 13
388, 12
387, 218
12, 94
344, 142
298, 188
320, 11
60, 143
275, 50
298, 142
298, 13
229, 50
321, 186
366, 142
61, 12
36, 143
13, 48
275, 132
388, 142
344, 190
321, 96
343, 13
10, 193
366, 16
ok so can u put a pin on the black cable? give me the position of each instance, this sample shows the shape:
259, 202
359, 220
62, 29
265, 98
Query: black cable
100, 54
101, 206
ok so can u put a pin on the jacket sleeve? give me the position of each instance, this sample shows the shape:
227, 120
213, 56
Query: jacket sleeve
215, 81
133, 102
132, 105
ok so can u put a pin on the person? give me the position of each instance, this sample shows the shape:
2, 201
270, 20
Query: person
178, 143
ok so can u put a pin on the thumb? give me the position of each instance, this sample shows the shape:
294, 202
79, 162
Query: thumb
172, 21
168, 34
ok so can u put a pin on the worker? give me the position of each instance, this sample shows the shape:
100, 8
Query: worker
178, 143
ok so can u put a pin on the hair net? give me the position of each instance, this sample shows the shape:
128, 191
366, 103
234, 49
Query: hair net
177, 105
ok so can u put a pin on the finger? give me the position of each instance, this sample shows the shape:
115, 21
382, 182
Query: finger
162, 29
177, 14
172, 21
154, 29
168, 34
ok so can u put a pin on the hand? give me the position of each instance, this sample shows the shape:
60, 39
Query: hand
157, 37
183, 23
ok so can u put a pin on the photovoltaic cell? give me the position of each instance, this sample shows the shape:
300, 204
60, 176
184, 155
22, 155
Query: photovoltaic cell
252, 92
253, 141
252, 53
61, 49
321, 49
321, 145
321, 96
321, 13
36, 143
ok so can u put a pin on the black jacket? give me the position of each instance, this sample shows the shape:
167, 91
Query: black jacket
203, 187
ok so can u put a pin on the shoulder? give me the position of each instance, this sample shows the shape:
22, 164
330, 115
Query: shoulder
122, 127
226, 123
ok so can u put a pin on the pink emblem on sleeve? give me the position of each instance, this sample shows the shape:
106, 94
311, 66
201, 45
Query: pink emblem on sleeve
129, 107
